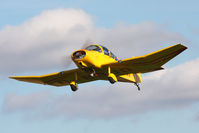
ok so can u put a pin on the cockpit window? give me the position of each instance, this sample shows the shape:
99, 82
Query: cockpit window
94, 48
106, 51
109, 53
113, 56
117, 59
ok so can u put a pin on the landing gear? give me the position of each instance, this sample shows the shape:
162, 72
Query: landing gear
74, 86
136, 84
111, 77
111, 80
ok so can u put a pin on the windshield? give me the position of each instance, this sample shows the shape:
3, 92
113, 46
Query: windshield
114, 57
106, 51
94, 47
109, 53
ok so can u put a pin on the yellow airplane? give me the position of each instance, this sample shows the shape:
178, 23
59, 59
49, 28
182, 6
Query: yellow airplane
96, 62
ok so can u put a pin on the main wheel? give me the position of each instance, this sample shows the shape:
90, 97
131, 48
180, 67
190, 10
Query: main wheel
111, 80
74, 87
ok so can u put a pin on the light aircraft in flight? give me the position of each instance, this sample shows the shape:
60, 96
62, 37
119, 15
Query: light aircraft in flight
96, 62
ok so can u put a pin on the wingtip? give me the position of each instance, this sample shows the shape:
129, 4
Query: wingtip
14, 77
184, 47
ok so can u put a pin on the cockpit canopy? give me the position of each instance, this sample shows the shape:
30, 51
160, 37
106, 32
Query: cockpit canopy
100, 48
94, 48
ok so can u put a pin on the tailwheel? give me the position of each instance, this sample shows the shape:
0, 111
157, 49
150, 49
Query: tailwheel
74, 86
136, 84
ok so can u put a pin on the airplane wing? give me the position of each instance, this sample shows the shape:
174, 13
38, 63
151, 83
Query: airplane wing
59, 78
147, 63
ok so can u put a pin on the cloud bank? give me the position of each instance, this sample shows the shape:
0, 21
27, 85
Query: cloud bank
174, 88
44, 41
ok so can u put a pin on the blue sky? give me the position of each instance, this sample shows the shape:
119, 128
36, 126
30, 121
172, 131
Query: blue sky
36, 35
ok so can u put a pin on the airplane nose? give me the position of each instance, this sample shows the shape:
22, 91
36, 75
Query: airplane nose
78, 54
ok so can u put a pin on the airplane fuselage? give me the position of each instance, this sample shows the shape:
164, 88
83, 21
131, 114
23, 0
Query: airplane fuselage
92, 59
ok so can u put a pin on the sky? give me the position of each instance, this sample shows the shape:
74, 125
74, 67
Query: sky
37, 37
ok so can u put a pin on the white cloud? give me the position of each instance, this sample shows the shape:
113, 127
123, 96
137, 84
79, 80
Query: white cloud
174, 88
137, 39
26, 102
43, 41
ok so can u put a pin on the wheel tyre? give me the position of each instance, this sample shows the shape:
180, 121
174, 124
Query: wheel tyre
73, 88
111, 80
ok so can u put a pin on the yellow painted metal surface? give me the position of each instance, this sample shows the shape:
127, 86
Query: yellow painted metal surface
59, 78
95, 59
147, 63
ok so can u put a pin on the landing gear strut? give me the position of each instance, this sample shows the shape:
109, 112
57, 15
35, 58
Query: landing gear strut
111, 77
136, 84
73, 84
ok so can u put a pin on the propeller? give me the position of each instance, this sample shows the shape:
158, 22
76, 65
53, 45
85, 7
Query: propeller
87, 43
66, 61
